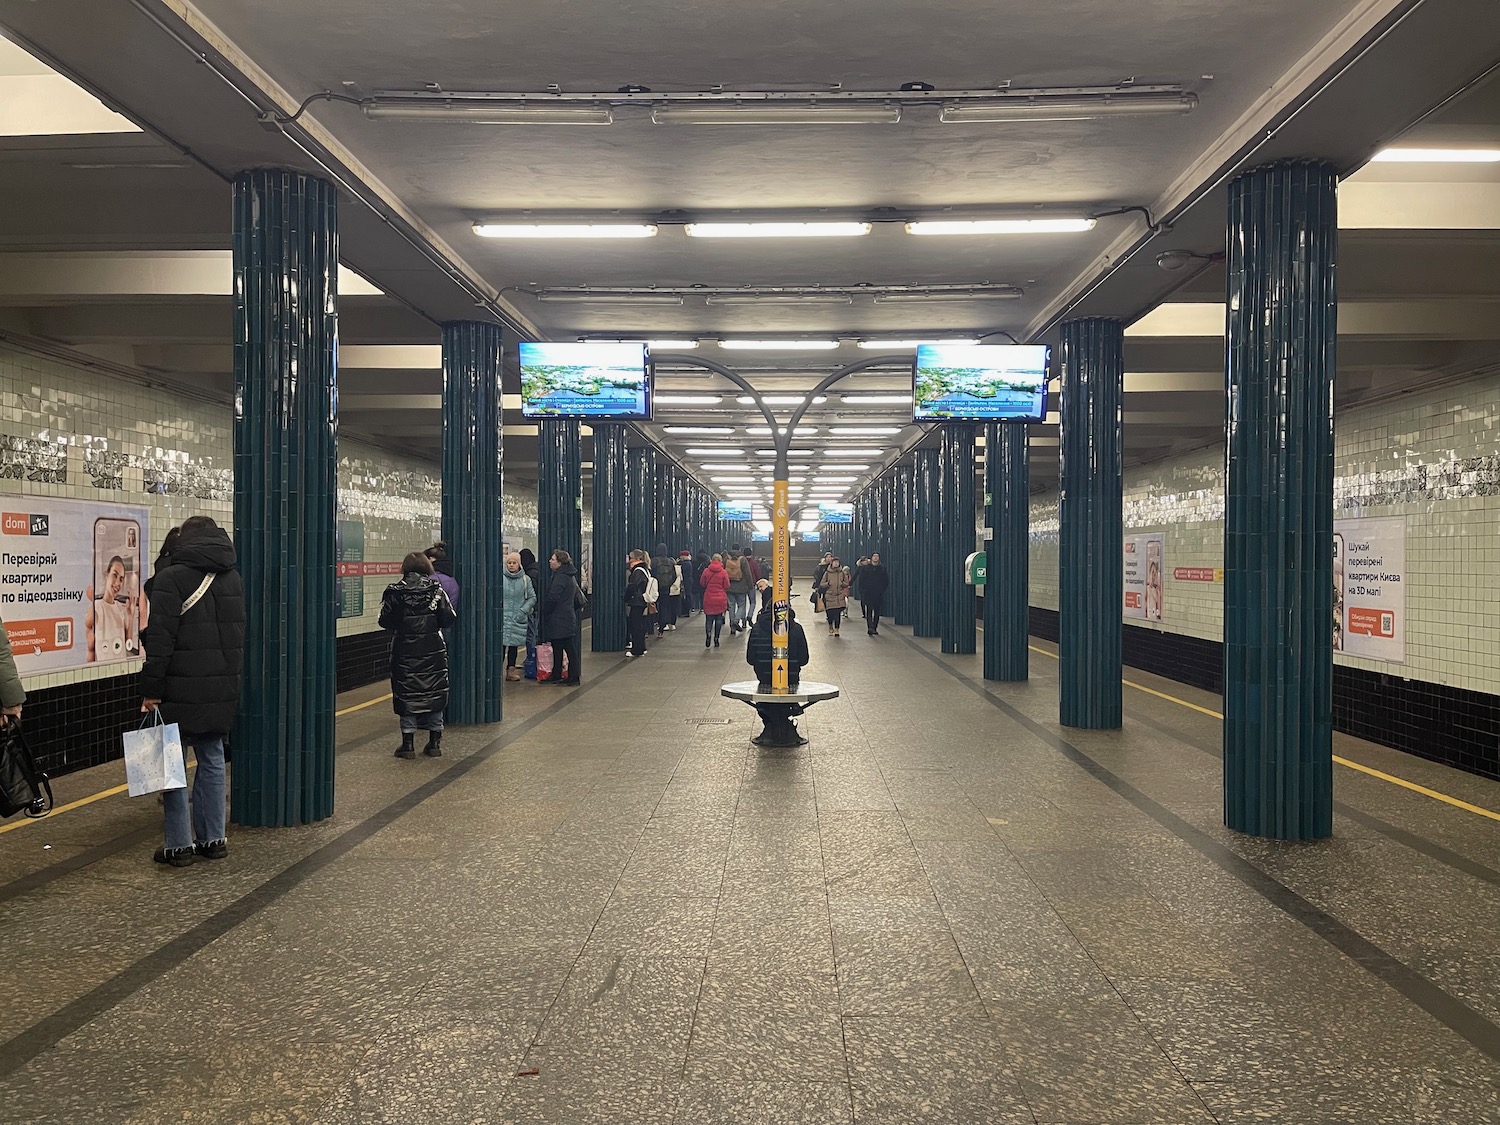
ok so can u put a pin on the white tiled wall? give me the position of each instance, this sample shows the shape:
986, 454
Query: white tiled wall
1430, 456
117, 441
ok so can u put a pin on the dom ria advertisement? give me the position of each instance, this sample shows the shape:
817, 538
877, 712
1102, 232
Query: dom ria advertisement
1369, 589
71, 577
1145, 570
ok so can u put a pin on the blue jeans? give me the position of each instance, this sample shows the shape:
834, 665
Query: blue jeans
205, 824
739, 609
427, 720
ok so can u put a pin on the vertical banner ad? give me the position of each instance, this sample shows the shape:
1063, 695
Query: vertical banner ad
71, 578
1369, 588
1145, 574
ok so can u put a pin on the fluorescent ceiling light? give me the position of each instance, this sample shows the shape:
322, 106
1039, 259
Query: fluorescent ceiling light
714, 450
992, 293
869, 399
566, 230
789, 453
778, 299
1437, 156
669, 399
838, 480
742, 114
906, 345
783, 345
479, 111
1000, 226
781, 400
777, 230
677, 345
765, 431
853, 452
699, 429
861, 431
1077, 107
843, 468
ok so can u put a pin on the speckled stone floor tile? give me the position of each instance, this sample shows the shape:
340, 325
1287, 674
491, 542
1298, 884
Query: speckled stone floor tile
938, 1069
641, 999
768, 1102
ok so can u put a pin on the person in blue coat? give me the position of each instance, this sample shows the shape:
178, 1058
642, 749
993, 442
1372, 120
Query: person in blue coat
518, 604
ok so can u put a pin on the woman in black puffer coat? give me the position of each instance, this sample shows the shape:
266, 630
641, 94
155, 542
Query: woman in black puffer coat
417, 610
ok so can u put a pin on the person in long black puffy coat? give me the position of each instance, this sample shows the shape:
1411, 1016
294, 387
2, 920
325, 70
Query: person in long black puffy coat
417, 610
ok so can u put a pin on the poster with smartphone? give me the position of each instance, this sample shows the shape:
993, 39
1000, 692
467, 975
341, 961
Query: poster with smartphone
71, 574
1145, 575
1369, 588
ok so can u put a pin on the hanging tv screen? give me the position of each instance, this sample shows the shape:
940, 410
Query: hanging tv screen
980, 383
601, 380
836, 513
812, 537
735, 510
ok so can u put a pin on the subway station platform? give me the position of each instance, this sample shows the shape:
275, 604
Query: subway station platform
612, 908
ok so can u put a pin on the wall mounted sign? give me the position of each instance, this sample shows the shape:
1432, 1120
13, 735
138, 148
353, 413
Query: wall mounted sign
1145, 570
1369, 588
71, 578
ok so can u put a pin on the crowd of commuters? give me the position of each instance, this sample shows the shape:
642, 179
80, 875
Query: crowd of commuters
193, 641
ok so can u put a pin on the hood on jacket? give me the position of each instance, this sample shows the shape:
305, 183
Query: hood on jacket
210, 549
569, 569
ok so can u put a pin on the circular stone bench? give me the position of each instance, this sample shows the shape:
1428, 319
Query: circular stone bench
780, 707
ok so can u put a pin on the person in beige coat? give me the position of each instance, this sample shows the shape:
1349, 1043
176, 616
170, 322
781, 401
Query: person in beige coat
833, 589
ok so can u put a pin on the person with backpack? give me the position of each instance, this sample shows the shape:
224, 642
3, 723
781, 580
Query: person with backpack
638, 589
195, 655
740, 587
715, 585
669, 585
417, 610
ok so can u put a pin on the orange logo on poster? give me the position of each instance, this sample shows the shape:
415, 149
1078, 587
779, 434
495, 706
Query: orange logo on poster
1372, 622
16, 523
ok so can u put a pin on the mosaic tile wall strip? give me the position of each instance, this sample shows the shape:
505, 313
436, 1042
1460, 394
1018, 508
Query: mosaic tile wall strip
1432, 457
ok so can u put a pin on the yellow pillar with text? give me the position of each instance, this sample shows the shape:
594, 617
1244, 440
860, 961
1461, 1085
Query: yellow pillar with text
781, 585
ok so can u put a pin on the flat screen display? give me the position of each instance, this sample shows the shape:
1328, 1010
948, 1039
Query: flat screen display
812, 537
760, 536
585, 381
980, 383
735, 510
836, 513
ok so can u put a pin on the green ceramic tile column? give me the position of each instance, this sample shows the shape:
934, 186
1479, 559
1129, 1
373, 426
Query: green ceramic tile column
1007, 589
611, 537
931, 525
472, 502
903, 543
1091, 565
956, 607
1278, 520
285, 252
559, 493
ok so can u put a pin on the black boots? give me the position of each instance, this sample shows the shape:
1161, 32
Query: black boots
434, 747
408, 747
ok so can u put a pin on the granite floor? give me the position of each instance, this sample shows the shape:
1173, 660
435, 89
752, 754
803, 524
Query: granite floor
611, 907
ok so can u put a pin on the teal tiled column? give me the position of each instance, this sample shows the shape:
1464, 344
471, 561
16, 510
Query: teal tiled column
285, 485
903, 543
1007, 588
1278, 520
929, 516
471, 517
956, 606
611, 537
559, 493
1091, 567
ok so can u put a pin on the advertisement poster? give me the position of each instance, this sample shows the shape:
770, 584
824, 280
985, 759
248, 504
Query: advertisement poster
1145, 571
71, 574
1369, 590
349, 586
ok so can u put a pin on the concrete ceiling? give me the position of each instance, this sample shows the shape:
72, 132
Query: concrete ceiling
95, 226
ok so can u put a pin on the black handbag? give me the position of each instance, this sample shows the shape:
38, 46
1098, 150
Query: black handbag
23, 785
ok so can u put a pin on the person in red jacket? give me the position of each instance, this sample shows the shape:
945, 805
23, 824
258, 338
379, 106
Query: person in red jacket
715, 583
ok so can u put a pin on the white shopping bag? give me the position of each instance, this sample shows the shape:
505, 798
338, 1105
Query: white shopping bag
153, 757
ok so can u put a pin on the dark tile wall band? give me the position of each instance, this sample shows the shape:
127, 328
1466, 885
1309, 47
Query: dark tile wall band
1454, 726
76, 726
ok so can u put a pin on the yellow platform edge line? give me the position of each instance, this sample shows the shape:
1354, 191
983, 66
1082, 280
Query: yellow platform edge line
103, 793
1477, 810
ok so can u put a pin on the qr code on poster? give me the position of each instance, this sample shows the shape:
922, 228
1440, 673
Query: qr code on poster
63, 635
